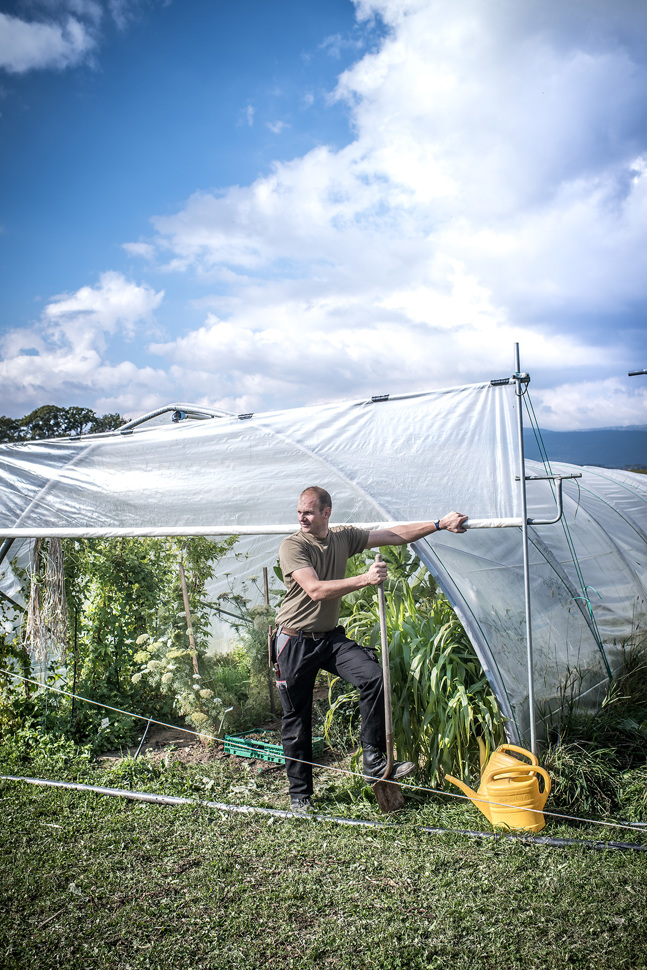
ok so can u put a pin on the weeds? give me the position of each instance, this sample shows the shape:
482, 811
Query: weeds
585, 778
599, 760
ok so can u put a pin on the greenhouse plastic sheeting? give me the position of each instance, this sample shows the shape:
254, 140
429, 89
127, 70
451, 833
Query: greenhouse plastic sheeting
406, 458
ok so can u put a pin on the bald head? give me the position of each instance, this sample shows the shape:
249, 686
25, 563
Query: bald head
313, 511
319, 495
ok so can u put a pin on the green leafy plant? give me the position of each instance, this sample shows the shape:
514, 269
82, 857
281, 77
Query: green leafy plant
251, 621
441, 698
200, 696
117, 592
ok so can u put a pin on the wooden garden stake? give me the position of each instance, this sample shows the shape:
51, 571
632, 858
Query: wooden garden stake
189, 628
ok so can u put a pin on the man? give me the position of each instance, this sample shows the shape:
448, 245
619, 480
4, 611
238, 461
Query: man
309, 639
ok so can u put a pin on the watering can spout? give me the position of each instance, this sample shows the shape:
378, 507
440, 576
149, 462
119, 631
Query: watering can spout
474, 796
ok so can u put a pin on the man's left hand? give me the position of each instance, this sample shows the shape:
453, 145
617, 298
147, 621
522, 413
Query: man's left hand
453, 522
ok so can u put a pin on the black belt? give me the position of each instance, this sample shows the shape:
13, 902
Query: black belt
309, 634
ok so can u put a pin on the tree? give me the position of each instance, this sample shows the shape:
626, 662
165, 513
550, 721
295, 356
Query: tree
51, 421
10, 429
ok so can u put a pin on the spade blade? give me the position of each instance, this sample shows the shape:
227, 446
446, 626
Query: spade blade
388, 796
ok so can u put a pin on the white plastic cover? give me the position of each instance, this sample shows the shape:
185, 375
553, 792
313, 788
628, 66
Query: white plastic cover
407, 458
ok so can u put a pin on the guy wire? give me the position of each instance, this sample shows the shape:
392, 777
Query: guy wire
316, 764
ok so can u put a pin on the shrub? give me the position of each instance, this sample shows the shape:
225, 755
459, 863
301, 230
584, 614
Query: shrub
201, 695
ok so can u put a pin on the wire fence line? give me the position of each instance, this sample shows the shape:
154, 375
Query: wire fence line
332, 768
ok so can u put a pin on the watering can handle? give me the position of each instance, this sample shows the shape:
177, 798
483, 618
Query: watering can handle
515, 747
522, 770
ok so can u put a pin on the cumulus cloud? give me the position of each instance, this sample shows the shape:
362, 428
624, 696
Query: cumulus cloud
336, 347
63, 355
613, 402
495, 191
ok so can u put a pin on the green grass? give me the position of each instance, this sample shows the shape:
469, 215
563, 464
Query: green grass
93, 881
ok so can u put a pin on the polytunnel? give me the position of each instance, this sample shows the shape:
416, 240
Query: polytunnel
384, 460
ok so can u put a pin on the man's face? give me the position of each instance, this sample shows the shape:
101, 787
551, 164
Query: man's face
312, 519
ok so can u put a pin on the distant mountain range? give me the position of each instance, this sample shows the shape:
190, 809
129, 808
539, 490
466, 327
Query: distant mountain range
609, 447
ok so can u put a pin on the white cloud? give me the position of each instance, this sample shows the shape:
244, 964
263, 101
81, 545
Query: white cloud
121, 12
336, 43
592, 404
62, 357
26, 46
64, 33
91, 312
145, 250
275, 349
495, 192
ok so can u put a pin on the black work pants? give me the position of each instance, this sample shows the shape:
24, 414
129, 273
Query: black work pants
299, 659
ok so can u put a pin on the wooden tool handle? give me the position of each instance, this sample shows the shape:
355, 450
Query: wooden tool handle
386, 676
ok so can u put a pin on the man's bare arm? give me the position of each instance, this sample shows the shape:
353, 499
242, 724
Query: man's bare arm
399, 535
333, 589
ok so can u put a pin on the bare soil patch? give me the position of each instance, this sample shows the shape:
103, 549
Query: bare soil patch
162, 742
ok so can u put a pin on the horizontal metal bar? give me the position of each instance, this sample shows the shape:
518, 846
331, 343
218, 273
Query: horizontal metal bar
283, 529
114, 532
117, 532
187, 409
547, 478
176, 800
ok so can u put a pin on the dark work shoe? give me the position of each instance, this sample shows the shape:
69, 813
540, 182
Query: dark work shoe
375, 765
301, 803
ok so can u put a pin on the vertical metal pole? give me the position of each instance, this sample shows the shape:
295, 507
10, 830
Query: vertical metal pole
266, 596
526, 563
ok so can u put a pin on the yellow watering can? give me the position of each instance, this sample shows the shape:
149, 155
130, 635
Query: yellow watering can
500, 758
514, 785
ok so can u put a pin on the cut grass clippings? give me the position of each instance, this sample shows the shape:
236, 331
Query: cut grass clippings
93, 881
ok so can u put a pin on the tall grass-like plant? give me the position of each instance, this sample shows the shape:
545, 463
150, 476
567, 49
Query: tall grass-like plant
598, 759
441, 698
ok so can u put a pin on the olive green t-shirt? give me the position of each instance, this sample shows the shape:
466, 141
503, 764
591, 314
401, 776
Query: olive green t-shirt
328, 558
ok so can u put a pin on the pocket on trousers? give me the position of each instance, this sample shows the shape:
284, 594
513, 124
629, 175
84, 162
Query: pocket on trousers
284, 696
369, 652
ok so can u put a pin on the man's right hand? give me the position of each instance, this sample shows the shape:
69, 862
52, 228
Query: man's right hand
376, 574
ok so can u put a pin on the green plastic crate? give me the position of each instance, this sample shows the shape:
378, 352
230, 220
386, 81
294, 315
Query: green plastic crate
244, 746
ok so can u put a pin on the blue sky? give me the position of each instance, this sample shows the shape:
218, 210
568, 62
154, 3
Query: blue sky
268, 203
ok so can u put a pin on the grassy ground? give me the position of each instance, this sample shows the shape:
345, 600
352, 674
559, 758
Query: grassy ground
92, 881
